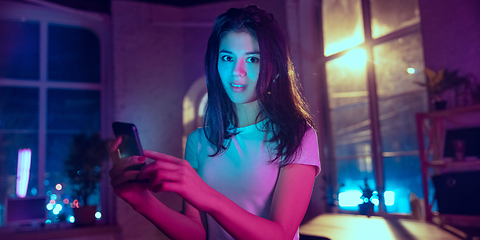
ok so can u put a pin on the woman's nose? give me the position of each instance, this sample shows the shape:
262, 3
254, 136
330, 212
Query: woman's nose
239, 69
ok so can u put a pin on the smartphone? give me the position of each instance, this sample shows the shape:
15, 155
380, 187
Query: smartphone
130, 145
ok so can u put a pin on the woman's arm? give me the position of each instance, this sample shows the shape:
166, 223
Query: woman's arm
136, 193
290, 200
175, 225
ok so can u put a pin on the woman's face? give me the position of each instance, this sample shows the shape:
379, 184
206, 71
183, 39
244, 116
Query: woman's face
239, 66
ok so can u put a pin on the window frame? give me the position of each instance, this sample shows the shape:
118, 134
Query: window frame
376, 139
306, 38
48, 13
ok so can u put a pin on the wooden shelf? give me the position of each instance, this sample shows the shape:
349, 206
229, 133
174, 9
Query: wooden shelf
451, 111
431, 130
445, 166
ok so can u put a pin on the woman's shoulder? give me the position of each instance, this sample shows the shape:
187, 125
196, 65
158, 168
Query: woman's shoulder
196, 134
310, 132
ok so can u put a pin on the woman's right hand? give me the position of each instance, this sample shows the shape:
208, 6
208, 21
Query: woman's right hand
124, 182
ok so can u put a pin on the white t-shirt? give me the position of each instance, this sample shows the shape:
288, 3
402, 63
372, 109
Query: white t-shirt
244, 172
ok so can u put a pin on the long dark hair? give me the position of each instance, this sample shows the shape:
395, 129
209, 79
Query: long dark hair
276, 90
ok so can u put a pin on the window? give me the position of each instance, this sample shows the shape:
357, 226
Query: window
372, 54
52, 87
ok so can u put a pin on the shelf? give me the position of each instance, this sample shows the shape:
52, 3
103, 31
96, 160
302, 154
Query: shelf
445, 166
451, 111
431, 134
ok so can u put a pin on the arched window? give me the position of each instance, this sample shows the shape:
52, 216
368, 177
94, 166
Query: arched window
194, 104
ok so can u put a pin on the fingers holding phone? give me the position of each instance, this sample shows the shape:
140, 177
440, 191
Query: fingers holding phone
130, 144
126, 153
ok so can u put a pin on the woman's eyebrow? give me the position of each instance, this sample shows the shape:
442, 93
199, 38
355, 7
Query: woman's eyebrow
225, 51
247, 53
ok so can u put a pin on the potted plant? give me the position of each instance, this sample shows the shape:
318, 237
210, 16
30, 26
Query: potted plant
366, 207
439, 82
83, 168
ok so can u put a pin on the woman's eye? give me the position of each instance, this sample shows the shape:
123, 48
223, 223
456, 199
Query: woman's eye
227, 58
253, 60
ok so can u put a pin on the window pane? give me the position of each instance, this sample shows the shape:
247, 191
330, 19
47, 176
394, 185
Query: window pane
402, 177
73, 54
70, 112
58, 151
18, 108
342, 25
389, 16
399, 64
348, 100
77, 111
19, 49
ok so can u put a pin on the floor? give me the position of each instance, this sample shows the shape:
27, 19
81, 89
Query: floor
358, 227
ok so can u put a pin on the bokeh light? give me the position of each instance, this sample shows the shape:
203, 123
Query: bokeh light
389, 198
57, 209
350, 198
49, 207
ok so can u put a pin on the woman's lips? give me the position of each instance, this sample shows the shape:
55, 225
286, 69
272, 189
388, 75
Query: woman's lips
237, 87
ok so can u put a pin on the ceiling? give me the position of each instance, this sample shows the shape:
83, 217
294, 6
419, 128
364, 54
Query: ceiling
104, 5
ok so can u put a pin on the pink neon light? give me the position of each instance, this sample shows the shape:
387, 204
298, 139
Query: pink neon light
74, 204
23, 171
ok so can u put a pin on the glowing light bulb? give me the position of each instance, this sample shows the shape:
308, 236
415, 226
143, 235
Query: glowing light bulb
58, 187
411, 70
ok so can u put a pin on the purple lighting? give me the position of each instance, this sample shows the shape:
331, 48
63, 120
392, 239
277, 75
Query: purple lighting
23, 171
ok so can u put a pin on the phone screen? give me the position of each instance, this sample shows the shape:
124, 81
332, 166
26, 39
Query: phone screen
130, 145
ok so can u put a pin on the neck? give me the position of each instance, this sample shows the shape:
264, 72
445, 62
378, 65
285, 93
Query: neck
247, 113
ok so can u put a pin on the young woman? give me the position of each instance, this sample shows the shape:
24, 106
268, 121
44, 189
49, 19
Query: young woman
252, 166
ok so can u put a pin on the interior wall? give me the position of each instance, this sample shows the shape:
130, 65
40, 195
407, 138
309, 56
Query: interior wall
451, 36
148, 87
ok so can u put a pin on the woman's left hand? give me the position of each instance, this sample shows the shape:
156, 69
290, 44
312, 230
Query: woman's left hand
172, 174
